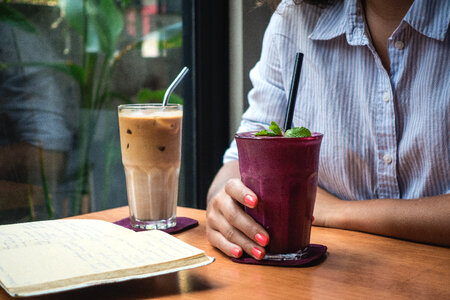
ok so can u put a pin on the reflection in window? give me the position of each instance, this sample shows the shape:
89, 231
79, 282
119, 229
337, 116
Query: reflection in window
61, 80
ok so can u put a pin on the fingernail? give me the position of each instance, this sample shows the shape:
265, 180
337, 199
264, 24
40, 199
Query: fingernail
261, 239
250, 200
258, 254
237, 252
313, 218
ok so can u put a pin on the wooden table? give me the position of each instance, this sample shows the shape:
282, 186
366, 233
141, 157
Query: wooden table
357, 266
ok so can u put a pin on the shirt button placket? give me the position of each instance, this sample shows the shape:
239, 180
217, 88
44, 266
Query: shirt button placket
399, 45
387, 180
386, 97
387, 159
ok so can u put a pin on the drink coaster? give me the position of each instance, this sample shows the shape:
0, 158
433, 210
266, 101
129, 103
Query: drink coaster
314, 255
183, 224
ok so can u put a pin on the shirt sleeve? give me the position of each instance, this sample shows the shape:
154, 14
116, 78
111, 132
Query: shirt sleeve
267, 99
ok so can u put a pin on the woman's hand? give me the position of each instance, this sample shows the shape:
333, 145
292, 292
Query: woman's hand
228, 227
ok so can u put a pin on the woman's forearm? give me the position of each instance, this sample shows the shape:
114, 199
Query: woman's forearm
424, 220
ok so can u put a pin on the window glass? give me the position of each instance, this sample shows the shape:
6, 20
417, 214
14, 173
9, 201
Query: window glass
64, 68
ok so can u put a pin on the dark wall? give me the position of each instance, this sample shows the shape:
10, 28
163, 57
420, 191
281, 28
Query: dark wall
206, 115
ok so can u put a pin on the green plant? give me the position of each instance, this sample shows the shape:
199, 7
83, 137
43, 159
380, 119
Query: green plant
99, 24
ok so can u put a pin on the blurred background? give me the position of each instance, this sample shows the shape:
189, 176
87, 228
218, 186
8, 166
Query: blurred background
65, 65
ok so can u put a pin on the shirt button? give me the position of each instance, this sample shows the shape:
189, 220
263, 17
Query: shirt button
399, 45
387, 159
386, 96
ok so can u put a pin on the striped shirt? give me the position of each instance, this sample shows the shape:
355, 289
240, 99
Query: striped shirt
386, 134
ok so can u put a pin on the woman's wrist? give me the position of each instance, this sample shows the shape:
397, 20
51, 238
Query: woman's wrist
329, 210
342, 216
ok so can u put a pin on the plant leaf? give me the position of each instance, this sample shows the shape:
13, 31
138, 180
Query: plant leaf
265, 133
147, 95
104, 23
275, 128
125, 3
107, 22
73, 70
92, 40
174, 42
298, 132
73, 13
121, 97
11, 16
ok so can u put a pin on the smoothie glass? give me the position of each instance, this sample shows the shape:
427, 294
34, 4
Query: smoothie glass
283, 174
150, 138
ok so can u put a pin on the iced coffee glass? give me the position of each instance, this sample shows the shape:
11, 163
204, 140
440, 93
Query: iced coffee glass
150, 138
283, 174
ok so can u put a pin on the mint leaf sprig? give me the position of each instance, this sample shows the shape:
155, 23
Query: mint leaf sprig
265, 133
298, 132
274, 130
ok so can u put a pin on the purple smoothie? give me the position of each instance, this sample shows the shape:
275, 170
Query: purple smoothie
283, 174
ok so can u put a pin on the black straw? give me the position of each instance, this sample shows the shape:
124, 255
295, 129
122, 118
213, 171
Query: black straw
293, 91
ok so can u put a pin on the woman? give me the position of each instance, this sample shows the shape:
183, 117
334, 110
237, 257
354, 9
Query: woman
375, 82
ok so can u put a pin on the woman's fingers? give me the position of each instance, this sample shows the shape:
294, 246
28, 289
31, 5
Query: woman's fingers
239, 192
234, 246
230, 229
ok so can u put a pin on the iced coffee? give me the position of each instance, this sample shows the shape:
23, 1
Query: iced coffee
150, 137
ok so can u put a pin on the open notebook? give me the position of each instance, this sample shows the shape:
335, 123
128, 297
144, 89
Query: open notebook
51, 256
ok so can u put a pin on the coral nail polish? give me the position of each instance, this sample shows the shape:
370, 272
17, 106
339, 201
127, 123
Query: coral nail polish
261, 239
258, 254
236, 252
250, 200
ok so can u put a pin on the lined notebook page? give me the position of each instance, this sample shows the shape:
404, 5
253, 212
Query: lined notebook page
40, 252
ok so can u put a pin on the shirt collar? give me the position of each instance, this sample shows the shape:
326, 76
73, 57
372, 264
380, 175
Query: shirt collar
430, 17
344, 17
